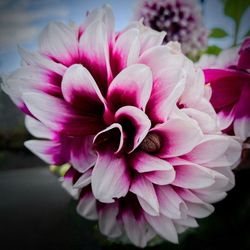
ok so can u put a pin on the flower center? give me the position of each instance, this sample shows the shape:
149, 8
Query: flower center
151, 143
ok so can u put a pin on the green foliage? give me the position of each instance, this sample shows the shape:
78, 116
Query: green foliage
213, 50
247, 33
236, 9
218, 33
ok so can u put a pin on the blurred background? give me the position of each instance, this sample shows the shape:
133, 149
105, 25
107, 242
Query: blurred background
35, 212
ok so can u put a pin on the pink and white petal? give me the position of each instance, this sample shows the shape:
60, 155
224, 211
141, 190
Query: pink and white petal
62, 118
94, 53
148, 37
109, 134
205, 121
132, 86
186, 222
137, 229
87, 206
230, 158
110, 177
108, 223
126, 50
80, 90
68, 187
191, 175
37, 59
59, 43
178, 137
210, 148
196, 207
37, 129
145, 192
82, 156
171, 204
104, 14
139, 121
226, 116
210, 196
163, 99
227, 180
84, 180
156, 170
164, 227
50, 151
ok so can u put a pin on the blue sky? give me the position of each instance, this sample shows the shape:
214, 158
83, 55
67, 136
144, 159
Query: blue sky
21, 21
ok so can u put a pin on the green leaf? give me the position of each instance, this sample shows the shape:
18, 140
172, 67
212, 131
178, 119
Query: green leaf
213, 50
236, 9
218, 33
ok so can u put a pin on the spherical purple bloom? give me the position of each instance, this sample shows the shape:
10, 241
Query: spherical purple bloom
134, 120
181, 19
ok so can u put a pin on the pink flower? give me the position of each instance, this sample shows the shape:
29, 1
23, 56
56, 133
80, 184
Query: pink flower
181, 19
133, 119
230, 83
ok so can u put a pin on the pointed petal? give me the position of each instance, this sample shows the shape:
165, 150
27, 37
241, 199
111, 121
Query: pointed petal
50, 151
94, 53
210, 148
126, 50
62, 118
156, 170
80, 90
110, 177
132, 86
163, 226
178, 136
139, 121
146, 195
59, 42
37, 129
190, 175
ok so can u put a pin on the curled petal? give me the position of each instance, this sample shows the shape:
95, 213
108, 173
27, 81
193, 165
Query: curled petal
84, 180
139, 121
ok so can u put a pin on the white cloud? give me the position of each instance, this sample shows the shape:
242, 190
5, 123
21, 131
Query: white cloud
19, 22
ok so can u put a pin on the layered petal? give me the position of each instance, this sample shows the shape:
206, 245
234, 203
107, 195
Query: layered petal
178, 137
156, 170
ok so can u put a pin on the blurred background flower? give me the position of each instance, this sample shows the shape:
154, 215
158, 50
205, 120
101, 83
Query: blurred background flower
181, 19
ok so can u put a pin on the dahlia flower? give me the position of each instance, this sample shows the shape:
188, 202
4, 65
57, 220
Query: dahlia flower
133, 119
229, 77
181, 19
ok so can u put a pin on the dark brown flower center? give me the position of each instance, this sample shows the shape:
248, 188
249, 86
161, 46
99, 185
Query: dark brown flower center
151, 143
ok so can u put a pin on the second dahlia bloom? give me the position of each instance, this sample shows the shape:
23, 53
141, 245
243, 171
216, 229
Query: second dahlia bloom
133, 119
181, 19
229, 77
